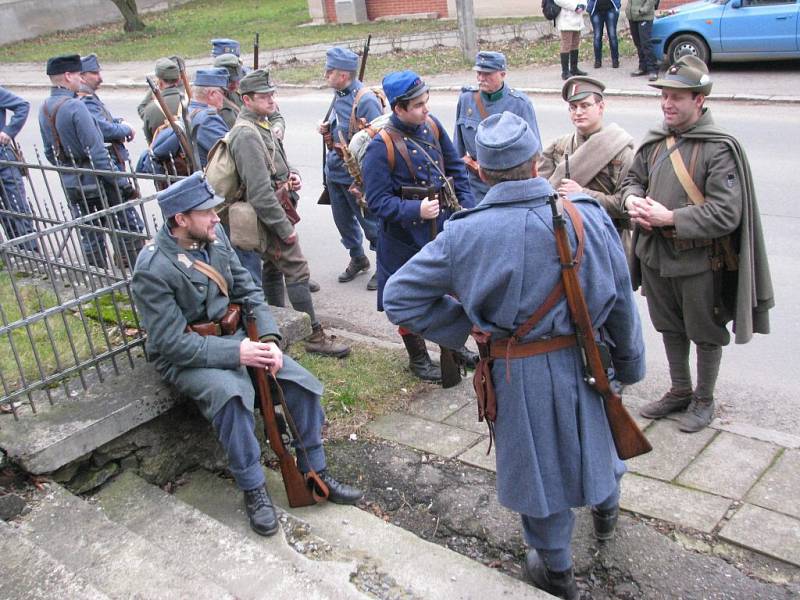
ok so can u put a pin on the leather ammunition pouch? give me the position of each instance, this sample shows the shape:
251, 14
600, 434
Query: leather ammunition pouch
227, 325
288, 203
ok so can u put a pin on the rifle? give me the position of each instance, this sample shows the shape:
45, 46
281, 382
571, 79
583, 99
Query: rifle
255, 53
628, 438
297, 486
325, 197
184, 78
355, 172
183, 140
566, 166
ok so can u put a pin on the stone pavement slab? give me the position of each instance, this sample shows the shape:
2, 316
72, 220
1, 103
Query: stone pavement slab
765, 531
779, 488
477, 457
672, 503
729, 466
421, 434
438, 404
672, 450
467, 418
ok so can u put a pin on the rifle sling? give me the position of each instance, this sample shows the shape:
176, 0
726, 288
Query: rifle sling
479, 103
682, 173
51, 117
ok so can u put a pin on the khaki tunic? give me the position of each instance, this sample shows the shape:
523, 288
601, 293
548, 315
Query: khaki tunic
150, 111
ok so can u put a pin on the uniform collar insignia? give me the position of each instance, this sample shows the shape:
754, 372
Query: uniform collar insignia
185, 260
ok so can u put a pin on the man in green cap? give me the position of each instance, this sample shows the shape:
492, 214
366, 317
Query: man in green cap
232, 103
699, 252
599, 155
168, 79
253, 144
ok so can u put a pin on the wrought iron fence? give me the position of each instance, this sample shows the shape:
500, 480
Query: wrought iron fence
70, 237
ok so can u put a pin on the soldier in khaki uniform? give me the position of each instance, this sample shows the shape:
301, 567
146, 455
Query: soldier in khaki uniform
599, 155
263, 167
690, 194
168, 80
232, 103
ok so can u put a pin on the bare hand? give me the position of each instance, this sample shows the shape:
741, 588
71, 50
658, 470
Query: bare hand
296, 182
291, 240
649, 213
131, 131
261, 355
5, 139
324, 127
429, 209
568, 186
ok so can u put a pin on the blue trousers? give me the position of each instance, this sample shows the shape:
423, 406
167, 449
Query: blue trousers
607, 18
13, 198
551, 536
234, 425
350, 221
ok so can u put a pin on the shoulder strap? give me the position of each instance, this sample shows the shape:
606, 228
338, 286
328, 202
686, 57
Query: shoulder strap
479, 103
387, 139
689, 186
351, 126
435, 128
51, 117
558, 289
244, 123
214, 275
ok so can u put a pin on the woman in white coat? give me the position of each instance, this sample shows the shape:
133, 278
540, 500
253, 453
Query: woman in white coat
569, 23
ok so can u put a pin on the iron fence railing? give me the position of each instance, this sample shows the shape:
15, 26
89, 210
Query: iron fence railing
66, 255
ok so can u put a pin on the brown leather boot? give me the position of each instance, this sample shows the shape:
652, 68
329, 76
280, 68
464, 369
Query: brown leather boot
327, 345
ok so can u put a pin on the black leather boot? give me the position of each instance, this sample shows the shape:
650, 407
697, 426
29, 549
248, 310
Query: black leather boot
559, 583
605, 522
419, 361
573, 64
338, 492
565, 65
260, 511
467, 357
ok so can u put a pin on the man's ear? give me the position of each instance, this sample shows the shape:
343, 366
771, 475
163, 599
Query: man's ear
481, 175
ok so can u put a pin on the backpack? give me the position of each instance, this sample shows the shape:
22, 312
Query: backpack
550, 10
221, 170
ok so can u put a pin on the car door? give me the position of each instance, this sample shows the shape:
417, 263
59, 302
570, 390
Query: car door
760, 26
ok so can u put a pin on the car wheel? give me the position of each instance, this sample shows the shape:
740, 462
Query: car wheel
688, 44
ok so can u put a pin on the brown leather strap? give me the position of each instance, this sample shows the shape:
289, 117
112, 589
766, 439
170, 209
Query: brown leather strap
479, 103
508, 348
214, 275
399, 144
352, 125
389, 147
681, 172
59, 148
388, 139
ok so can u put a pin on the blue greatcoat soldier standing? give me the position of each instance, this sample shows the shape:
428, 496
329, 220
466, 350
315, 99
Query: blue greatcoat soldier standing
354, 106
188, 275
410, 160
489, 272
12, 188
491, 96
72, 137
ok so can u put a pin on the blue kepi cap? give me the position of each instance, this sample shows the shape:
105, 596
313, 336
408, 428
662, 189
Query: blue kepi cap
403, 85
343, 59
215, 77
192, 193
89, 64
504, 141
489, 62
225, 46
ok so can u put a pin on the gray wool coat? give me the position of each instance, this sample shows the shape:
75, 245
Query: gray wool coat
169, 294
492, 267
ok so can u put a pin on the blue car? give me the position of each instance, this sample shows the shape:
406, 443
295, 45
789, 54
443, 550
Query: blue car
728, 30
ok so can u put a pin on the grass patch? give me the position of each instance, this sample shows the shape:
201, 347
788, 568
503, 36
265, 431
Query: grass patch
187, 29
368, 383
114, 307
59, 340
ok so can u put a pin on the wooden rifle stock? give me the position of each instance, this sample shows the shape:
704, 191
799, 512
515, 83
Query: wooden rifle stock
297, 491
628, 438
255, 52
179, 133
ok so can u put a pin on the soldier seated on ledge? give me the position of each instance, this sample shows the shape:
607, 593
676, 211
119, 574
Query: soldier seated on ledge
191, 274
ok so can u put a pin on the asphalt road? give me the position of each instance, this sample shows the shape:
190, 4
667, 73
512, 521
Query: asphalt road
755, 385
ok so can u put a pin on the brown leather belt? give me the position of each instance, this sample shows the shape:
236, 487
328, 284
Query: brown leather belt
507, 348
227, 325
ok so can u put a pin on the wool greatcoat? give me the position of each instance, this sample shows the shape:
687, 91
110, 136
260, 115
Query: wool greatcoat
492, 267
170, 294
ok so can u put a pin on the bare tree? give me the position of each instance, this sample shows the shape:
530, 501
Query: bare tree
133, 22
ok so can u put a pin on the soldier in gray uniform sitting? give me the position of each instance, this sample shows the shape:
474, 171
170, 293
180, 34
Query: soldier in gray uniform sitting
191, 274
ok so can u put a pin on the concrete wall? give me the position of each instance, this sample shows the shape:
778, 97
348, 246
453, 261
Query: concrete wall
25, 19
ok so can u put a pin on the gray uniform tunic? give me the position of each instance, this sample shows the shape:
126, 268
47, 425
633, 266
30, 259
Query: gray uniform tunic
170, 294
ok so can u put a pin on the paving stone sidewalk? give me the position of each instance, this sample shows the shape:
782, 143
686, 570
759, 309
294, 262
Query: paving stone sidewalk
736, 482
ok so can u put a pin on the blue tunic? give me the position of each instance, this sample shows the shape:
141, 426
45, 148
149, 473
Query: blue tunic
113, 129
369, 108
207, 127
468, 116
80, 136
492, 267
12, 189
401, 231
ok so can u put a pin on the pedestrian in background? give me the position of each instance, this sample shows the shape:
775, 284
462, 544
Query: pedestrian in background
640, 15
605, 13
569, 23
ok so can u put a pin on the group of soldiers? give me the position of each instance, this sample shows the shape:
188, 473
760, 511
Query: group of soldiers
463, 235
